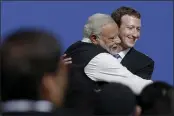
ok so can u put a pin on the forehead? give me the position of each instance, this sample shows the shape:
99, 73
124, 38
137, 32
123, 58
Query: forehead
110, 30
130, 20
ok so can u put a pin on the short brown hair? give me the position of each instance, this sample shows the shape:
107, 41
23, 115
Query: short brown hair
118, 13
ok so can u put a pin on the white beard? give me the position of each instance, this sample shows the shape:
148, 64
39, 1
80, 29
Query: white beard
103, 45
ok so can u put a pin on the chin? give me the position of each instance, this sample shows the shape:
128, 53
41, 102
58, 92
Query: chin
130, 45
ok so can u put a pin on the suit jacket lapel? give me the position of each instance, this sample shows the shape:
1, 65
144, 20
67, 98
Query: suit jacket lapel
128, 60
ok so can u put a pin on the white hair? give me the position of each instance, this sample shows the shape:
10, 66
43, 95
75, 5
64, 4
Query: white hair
95, 24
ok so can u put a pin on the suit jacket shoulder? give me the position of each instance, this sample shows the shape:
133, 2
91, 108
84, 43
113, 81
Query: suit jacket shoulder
138, 63
136, 57
141, 56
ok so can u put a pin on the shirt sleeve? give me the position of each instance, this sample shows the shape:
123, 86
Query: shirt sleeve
104, 67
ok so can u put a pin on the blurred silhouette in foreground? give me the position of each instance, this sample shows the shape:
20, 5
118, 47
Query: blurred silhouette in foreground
157, 99
116, 99
33, 76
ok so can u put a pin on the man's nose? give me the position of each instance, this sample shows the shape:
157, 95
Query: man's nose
135, 34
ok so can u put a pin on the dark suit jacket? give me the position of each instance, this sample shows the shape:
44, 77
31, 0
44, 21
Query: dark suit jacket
138, 63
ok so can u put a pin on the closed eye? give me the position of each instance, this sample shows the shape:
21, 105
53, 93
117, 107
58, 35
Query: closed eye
111, 38
130, 28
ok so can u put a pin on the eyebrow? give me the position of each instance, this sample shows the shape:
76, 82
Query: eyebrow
132, 26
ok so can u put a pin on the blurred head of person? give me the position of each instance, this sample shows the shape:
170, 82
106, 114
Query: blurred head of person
116, 99
31, 67
156, 99
129, 22
171, 97
102, 30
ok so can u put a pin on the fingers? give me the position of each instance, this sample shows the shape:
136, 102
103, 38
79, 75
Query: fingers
69, 62
66, 60
63, 56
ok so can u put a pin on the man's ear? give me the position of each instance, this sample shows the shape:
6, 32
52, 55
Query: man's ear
93, 39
